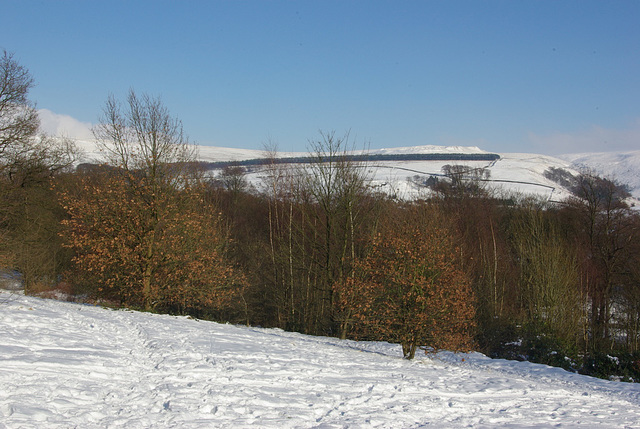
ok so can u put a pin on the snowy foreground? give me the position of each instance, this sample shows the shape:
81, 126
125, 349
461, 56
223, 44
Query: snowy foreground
67, 365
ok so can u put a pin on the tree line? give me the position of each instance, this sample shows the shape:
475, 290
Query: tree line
313, 248
363, 158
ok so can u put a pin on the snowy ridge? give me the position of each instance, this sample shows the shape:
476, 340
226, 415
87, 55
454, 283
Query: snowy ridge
91, 153
69, 365
513, 173
217, 154
621, 166
427, 149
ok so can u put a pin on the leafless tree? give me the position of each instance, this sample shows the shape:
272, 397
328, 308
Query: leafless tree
605, 228
28, 163
336, 185
549, 284
464, 181
18, 117
143, 138
24, 155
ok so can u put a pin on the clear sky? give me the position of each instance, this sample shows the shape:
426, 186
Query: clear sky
507, 76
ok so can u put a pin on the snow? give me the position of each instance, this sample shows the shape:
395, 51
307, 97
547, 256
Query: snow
621, 166
427, 149
513, 173
223, 154
69, 365
91, 153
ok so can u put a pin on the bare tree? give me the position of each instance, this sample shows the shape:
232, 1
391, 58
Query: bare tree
233, 179
279, 184
143, 138
29, 213
605, 230
629, 300
316, 222
24, 155
336, 185
464, 181
550, 292
18, 117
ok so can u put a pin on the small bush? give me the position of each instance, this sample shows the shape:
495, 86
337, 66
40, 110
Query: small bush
614, 366
502, 341
546, 349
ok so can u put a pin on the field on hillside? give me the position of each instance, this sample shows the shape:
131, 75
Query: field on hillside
513, 173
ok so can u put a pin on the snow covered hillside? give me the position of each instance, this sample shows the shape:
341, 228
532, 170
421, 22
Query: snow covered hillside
512, 173
68, 365
621, 166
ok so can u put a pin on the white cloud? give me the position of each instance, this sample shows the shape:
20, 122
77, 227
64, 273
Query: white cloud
63, 125
594, 139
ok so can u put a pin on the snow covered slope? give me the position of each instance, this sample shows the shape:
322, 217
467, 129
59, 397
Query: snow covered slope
68, 365
91, 153
513, 173
621, 166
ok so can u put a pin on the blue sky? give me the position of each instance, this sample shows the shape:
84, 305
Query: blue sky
507, 76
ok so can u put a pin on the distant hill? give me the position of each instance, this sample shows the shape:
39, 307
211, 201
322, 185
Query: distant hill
623, 167
403, 171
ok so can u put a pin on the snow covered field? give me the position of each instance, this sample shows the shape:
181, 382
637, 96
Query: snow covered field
67, 365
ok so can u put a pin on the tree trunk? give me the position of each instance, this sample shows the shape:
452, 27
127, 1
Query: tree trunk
409, 349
